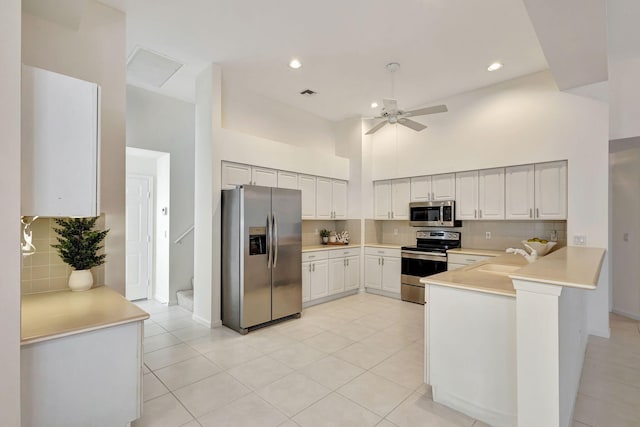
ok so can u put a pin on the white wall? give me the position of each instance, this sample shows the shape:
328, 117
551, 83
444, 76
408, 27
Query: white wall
10, 213
625, 203
206, 286
157, 122
521, 121
253, 114
94, 52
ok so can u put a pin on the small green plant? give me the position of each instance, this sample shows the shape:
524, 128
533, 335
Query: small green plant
78, 244
325, 233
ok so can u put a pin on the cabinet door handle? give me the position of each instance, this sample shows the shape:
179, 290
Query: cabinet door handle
347, 262
530, 213
378, 260
314, 267
382, 261
475, 213
537, 213
433, 195
309, 268
391, 214
480, 213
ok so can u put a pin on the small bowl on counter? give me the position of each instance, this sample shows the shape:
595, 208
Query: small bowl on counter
541, 248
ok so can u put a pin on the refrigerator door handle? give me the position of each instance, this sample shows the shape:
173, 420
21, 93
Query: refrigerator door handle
276, 240
270, 242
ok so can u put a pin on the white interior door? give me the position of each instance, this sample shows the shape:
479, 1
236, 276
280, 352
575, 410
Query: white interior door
139, 232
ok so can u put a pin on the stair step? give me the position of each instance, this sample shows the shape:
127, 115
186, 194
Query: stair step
185, 299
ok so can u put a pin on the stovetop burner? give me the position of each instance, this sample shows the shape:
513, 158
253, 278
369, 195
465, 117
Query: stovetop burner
435, 241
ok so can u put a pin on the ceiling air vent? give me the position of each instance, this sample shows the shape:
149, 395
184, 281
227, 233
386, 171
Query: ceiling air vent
150, 68
308, 92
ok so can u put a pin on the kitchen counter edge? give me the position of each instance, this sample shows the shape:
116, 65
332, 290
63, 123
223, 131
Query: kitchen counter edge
51, 315
481, 252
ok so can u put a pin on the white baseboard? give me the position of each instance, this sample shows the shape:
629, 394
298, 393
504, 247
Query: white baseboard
202, 321
328, 298
383, 293
634, 316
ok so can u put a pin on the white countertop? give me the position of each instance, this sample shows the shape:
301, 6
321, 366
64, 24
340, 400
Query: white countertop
470, 251
52, 315
313, 248
572, 266
383, 246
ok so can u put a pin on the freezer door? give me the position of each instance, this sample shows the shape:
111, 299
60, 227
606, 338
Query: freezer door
287, 254
255, 213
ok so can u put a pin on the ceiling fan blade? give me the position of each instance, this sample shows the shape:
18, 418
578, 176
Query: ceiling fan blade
411, 124
390, 105
377, 127
428, 110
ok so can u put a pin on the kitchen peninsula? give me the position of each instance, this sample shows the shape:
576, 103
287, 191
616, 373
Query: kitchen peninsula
473, 315
81, 358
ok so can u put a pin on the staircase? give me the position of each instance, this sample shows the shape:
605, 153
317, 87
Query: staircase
185, 298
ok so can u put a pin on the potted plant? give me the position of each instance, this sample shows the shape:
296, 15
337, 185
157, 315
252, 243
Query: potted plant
78, 246
325, 236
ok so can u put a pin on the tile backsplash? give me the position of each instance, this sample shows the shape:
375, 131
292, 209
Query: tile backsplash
309, 228
504, 234
45, 271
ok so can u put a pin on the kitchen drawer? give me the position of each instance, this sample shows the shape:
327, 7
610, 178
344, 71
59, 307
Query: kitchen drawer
341, 253
465, 259
314, 256
368, 250
453, 266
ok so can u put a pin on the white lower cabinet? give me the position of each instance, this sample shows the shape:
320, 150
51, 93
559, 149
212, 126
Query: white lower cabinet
344, 270
329, 272
382, 269
315, 275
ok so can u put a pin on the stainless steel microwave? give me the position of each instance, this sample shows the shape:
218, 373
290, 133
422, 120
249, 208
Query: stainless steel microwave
433, 214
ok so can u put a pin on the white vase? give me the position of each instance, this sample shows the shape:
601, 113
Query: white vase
80, 280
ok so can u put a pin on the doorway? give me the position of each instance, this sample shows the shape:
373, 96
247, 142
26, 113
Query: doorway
147, 225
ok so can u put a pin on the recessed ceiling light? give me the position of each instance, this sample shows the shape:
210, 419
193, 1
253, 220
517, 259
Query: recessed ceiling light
374, 104
495, 66
295, 63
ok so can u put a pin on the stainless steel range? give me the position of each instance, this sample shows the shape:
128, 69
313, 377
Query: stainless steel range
428, 257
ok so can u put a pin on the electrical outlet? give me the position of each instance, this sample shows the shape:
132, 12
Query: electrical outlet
395, 231
580, 240
625, 237
316, 232
487, 235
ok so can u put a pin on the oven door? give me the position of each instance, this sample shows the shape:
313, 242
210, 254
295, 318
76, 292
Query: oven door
416, 265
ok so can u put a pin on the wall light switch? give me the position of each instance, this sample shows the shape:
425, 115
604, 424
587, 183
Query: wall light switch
580, 240
316, 232
487, 235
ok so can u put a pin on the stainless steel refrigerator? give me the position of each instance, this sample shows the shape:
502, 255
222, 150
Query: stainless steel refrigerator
261, 256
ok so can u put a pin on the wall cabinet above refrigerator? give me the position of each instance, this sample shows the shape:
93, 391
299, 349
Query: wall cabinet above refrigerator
60, 145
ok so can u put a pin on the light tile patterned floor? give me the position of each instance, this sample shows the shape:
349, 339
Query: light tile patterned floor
357, 361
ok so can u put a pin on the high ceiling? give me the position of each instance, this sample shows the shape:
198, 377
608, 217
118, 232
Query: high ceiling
443, 46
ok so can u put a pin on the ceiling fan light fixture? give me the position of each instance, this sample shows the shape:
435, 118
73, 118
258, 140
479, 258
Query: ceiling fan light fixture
295, 63
495, 66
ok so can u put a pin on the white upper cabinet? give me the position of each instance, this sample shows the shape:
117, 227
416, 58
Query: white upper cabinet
491, 193
391, 199
264, 177
331, 198
435, 187
60, 145
467, 195
382, 199
339, 199
324, 208
287, 180
400, 198
234, 174
551, 190
519, 192
537, 191
443, 186
421, 189
480, 194
307, 186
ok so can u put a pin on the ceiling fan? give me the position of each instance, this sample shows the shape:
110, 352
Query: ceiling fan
392, 115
